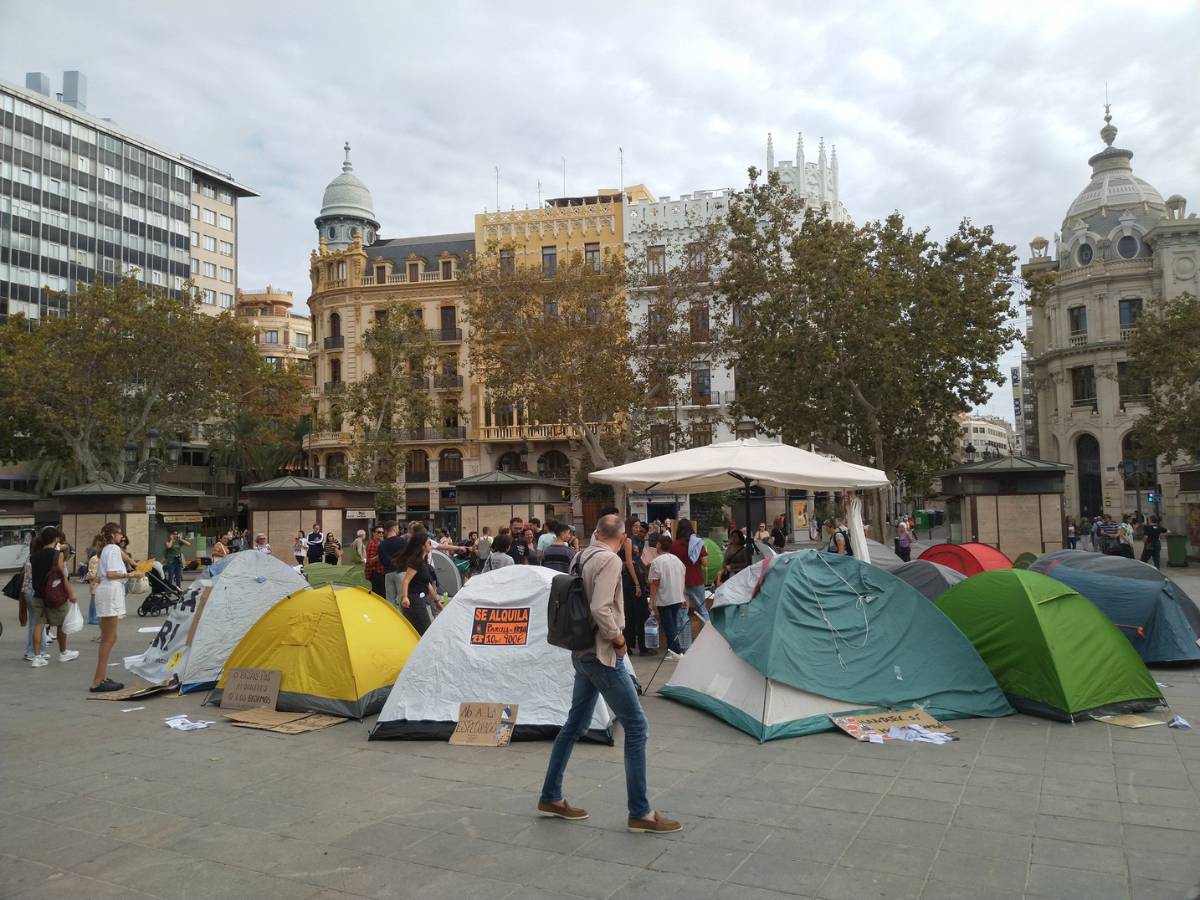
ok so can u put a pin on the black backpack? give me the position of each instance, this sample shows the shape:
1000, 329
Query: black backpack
569, 615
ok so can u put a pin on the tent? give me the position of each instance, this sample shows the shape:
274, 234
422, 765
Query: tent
488, 646
1025, 560
1148, 613
930, 579
740, 464
320, 574
449, 579
339, 648
820, 634
716, 559
1051, 650
880, 555
969, 558
13, 557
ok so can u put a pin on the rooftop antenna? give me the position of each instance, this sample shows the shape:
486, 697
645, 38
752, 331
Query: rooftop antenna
497, 168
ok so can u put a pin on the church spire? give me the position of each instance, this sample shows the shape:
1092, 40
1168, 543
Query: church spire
800, 158
770, 153
822, 171
833, 172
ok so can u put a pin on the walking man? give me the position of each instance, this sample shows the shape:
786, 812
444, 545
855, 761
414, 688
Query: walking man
600, 672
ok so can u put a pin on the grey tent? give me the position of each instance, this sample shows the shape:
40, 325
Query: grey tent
882, 556
1120, 567
929, 578
449, 579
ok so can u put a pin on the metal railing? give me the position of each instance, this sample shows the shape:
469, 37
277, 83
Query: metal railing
334, 387
447, 382
337, 342
454, 433
446, 335
416, 477
552, 431
704, 398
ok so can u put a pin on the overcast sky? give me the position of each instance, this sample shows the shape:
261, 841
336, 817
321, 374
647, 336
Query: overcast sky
987, 110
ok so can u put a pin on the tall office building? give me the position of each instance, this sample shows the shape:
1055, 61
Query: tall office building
81, 198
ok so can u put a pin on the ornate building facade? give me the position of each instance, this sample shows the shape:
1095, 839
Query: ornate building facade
1121, 249
283, 337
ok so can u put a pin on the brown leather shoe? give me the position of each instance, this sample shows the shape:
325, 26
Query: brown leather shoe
655, 823
561, 809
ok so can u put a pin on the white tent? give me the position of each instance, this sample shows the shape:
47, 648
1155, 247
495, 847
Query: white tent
488, 646
246, 586
741, 463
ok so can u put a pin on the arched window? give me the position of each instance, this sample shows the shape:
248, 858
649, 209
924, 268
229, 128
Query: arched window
450, 465
510, 462
332, 232
554, 464
416, 466
335, 325
335, 370
335, 465
1087, 466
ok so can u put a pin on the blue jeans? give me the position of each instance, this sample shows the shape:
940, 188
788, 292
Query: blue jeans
695, 595
173, 572
594, 679
668, 618
28, 601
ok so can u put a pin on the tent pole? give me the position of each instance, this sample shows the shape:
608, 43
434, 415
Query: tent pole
749, 530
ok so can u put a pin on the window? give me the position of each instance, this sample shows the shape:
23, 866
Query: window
226, 222
549, 260
698, 322
271, 337
226, 248
591, 256
209, 269
660, 439
745, 431
701, 434
1127, 247
210, 243
225, 196
301, 341
335, 371
414, 271
447, 269
656, 261
701, 386
507, 262
1131, 311
657, 323
275, 362
227, 275
195, 266
208, 217
209, 297
1077, 317
697, 256
550, 308
1083, 386
1084, 254
1131, 385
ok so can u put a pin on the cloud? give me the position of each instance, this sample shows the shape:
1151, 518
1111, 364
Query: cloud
987, 110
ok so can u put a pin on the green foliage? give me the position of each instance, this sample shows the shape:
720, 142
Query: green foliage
1165, 349
388, 499
866, 341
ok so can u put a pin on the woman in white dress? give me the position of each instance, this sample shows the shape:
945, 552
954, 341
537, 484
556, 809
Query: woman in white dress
110, 604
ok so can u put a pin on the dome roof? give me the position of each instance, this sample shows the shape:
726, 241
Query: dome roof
1113, 185
347, 196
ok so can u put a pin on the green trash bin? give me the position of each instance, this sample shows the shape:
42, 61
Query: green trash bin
1177, 550
921, 517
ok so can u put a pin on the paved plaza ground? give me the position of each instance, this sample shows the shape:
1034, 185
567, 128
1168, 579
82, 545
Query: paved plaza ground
102, 803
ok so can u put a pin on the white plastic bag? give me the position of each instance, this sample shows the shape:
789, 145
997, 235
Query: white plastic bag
73, 623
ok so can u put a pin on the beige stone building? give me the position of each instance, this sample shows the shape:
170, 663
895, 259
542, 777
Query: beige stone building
1121, 249
282, 335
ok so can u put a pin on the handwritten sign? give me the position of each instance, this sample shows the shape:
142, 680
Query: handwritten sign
500, 627
251, 689
485, 724
862, 728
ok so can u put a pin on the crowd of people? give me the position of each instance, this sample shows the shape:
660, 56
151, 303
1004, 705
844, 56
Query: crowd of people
1104, 534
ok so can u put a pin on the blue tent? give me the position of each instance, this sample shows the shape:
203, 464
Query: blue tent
1146, 612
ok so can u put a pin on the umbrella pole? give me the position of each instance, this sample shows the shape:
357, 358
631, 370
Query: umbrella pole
746, 495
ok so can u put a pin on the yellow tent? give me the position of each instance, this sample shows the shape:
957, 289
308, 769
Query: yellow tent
340, 650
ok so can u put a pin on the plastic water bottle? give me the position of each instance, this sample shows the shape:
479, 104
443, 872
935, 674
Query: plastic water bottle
652, 633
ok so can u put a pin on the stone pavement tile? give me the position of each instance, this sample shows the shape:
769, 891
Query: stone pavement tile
556, 835
1160, 840
762, 811
926, 771
1069, 884
506, 862
1075, 855
1152, 889
1078, 787
587, 877
970, 870
625, 847
1080, 808
997, 798
806, 816
731, 891
1066, 828
935, 811
1160, 816
54, 845
776, 873
1173, 763
18, 800
1152, 865
872, 765
805, 771
902, 831
925, 790
176, 877
1153, 796
1080, 772
941, 890
857, 781
1150, 777
842, 798
492, 826
732, 835
1066, 753
856, 884
381, 838
1008, 781
807, 842
362, 874
988, 844
702, 862
648, 884
18, 876
1009, 764
458, 886
323, 828
897, 859
1146, 742
244, 847
776, 792
76, 887
991, 819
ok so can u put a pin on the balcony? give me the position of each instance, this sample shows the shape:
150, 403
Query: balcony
453, 433
1078, 339
416, 477
1084, 403
337, 342
445, 335
701, 397
402, 278
1127, 332
328, 439
549, 432
447, 382
449, 473
334, 387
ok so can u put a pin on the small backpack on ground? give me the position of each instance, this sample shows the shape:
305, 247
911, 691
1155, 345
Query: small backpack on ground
569, 615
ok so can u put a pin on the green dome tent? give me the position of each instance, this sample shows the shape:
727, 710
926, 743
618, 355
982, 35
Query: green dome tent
320, 574
1053, 652
716, 559
827, 634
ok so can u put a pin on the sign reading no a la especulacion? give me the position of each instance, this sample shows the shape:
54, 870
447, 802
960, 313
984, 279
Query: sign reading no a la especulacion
495, 626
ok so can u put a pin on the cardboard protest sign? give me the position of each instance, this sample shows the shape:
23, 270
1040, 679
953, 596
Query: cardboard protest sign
484, 724
251, 689
169, 647
874, 727
500, 626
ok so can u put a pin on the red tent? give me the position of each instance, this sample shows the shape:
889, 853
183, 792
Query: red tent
969, 558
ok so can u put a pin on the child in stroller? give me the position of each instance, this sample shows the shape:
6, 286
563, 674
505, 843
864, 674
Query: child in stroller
163, 594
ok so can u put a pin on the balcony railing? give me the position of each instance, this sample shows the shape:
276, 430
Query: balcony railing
416, 477
445, 473
455, 433
334, 387
1078, 339
340, 438
547, 432
337, 342
1084, 403
402, 278
448, 382
1127, 332
446, 335
419, 381
704, 398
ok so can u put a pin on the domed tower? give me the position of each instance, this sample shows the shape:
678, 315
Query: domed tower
346, 210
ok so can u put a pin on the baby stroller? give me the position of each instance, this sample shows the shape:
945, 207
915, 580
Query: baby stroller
163, 595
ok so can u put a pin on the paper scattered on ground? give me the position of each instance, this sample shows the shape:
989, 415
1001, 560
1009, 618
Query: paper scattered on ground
1129, 721
1180, 722
875, 728
183, 723
916, 733
152, 629
1162, 684
132, 708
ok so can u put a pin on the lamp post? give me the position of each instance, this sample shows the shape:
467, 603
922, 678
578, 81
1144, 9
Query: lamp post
970, 451
152, 464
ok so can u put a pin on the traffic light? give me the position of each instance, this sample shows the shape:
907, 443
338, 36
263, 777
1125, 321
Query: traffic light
1151, 497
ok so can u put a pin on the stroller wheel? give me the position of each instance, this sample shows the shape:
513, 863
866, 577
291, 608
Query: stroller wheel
142, 609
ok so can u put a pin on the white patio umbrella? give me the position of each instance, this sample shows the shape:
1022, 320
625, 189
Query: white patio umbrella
742, 463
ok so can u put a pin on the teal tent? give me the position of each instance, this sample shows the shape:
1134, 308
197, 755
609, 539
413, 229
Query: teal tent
824, 635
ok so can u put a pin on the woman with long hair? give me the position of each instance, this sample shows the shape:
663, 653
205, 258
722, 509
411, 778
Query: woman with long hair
418, 592
499, 557
737, 557
110, 604
632, 583
690, 549
300, 548
27, 598
333, 549
52, 596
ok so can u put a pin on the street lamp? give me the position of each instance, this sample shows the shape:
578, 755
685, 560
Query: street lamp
152, 463
970, 451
